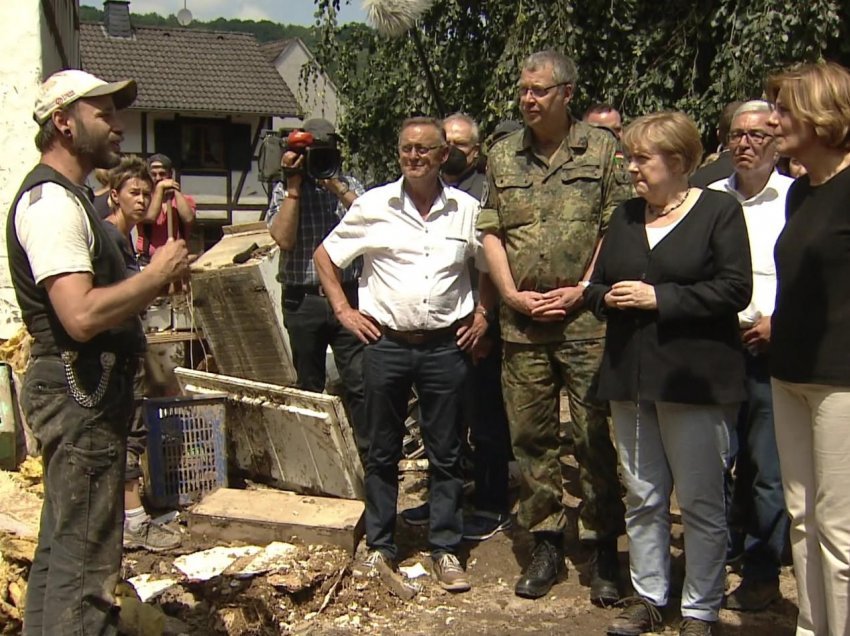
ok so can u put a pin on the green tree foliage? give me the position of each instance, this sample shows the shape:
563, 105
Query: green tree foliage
640, 55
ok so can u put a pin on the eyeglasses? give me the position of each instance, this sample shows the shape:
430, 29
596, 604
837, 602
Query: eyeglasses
406, 149
537, 92
756, 137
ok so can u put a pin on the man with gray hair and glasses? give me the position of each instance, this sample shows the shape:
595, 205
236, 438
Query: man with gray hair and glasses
418, 319
551, 189
758, 522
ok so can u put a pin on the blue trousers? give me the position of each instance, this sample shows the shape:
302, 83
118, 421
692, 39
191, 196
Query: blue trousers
438, 372
758, 504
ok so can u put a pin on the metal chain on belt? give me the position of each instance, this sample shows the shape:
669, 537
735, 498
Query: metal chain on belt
87, 400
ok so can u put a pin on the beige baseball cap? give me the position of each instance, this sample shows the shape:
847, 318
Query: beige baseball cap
65, 87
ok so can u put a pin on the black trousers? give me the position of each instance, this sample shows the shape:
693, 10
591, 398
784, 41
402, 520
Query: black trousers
438, 372
312, 326
489, 433
78, 559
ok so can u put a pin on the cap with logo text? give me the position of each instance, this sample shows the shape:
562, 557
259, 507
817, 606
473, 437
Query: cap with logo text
66, 87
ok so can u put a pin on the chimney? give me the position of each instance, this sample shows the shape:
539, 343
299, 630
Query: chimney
116, 18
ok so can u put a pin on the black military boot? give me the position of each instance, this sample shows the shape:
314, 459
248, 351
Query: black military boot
604, 574
547, 562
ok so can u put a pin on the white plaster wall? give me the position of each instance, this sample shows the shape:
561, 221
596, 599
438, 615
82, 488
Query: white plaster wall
28, 53
317, 99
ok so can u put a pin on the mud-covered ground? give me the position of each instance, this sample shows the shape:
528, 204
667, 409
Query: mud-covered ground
320, 596
334, 602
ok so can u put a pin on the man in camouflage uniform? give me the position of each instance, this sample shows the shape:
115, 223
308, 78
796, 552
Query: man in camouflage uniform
551, 189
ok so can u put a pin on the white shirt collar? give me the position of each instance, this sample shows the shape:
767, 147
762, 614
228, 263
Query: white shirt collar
770, 192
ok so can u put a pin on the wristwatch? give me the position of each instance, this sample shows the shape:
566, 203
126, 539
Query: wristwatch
483, 311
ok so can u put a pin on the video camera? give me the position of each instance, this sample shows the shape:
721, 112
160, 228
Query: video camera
322, 160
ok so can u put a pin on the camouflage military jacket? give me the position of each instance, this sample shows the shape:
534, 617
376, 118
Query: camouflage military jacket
550, 216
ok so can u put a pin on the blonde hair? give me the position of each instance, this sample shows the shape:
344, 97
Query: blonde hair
671, 133
818, 95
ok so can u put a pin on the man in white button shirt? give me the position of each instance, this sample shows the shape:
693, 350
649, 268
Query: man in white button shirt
758, 522
418, 317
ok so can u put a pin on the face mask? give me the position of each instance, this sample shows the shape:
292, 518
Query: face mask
455, 163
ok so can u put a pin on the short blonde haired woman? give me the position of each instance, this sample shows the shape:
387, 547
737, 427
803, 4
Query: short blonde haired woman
673, 271
810, 340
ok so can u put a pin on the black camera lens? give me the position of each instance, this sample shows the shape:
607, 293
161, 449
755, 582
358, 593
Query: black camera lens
322, 162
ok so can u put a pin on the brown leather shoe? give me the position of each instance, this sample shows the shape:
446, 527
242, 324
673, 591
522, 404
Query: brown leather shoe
695, 627
638, 617
449, 573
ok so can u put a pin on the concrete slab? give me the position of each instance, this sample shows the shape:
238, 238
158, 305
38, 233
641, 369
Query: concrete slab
291, 439
261, 516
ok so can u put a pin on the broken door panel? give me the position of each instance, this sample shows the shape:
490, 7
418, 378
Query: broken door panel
238, 306
289, 438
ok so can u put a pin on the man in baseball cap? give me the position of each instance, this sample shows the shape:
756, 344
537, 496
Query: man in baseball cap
69, 280
65, 87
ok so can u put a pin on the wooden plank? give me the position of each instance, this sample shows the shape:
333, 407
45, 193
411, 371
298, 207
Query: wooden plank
292, 439
164, 337
257, 226
221, 254
262, 516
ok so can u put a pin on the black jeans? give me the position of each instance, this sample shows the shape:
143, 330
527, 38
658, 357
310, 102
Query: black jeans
489, 433
78, 559
312, 326
438, 372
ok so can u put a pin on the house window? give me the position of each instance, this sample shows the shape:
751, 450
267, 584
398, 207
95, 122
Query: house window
202, 146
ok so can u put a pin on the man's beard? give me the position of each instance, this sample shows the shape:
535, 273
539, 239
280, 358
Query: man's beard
97, 151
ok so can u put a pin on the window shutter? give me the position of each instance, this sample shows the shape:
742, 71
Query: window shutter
166, 139
239, 150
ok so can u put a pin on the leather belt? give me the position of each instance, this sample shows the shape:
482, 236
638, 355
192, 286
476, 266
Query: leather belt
425, 336
314, 290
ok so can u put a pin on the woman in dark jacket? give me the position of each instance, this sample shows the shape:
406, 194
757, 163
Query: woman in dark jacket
810, 339
673, 272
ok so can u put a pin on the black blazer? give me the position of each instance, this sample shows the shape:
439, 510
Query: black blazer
689, 349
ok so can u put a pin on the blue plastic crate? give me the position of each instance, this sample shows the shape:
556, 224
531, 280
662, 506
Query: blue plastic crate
187, 449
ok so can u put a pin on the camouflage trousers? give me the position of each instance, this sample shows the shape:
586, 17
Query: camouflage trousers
532, 378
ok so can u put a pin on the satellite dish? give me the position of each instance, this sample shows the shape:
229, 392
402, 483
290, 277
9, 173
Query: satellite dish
184, 16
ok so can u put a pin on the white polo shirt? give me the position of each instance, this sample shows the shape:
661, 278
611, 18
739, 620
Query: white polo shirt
765, 217
414, 269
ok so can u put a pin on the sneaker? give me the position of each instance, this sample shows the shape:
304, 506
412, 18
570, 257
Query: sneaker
368, 565
638, 617
695, 627
482, 525
153, 537
418, 516
753, 596
449, 573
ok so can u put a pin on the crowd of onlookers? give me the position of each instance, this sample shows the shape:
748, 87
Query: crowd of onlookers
695, 308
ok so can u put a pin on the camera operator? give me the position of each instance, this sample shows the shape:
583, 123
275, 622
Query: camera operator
303, 211
154, 230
